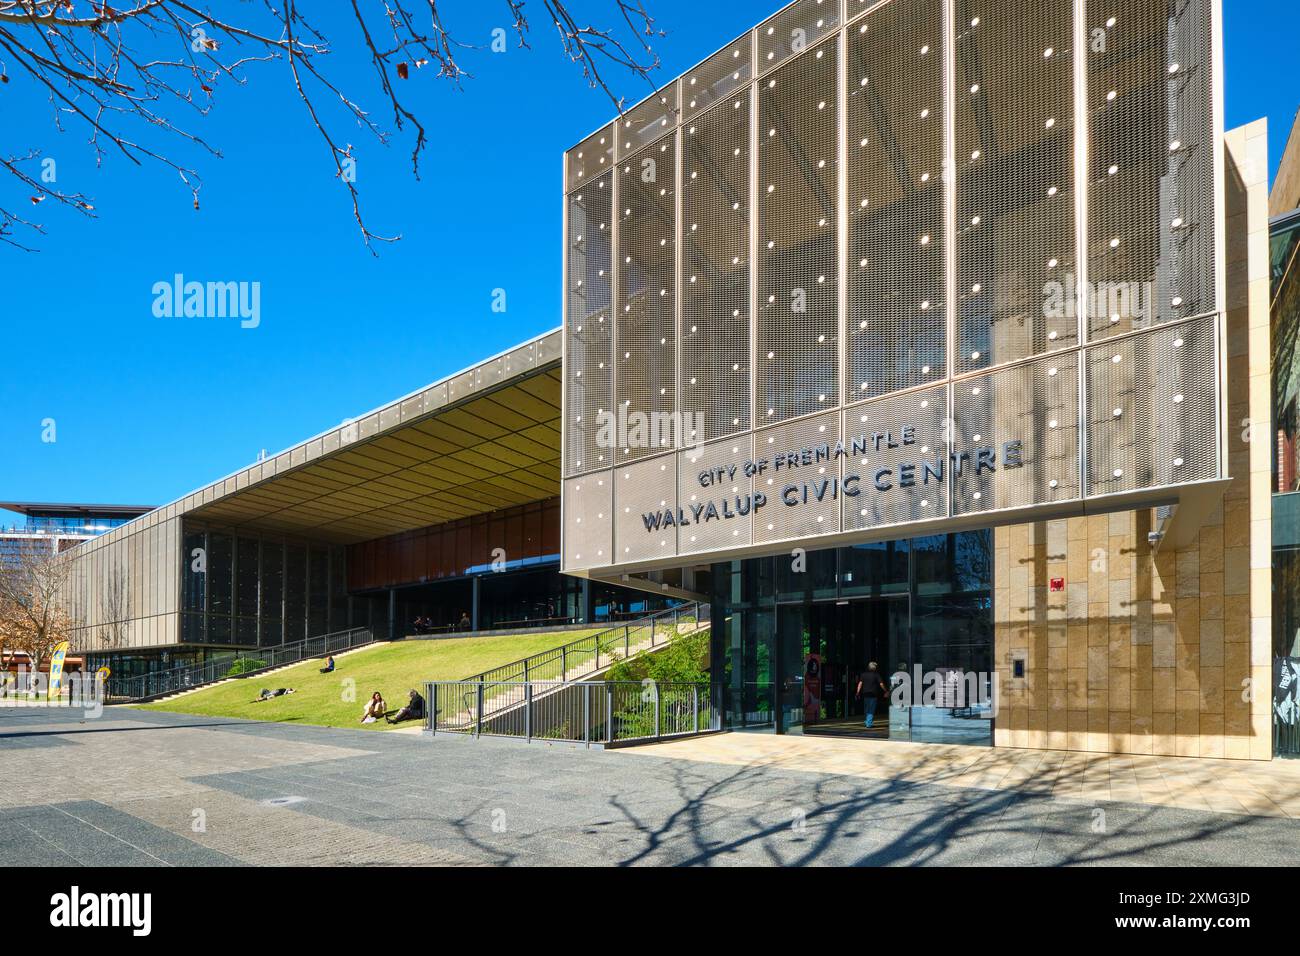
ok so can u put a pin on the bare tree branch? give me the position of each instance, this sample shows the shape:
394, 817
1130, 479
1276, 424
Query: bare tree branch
134, 78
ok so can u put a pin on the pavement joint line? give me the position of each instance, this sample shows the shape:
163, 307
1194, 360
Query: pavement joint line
111, 836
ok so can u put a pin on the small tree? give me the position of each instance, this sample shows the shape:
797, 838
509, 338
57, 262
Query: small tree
33, 590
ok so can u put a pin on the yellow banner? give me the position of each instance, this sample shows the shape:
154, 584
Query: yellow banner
56, 670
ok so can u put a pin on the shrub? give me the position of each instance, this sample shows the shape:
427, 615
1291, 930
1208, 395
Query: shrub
685, 659
242, 665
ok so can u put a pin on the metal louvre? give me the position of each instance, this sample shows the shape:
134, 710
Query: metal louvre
913, 493
1035, 404
645, 385
647, 488
810, 475
718, 77
1151, 202
588, 521
643, 124
588, 366
1160, 431
715, 227
593, 156
1016, 245
795, 29
734, 526
797, 323
896, 323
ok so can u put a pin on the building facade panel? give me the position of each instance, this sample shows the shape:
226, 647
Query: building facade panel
797, 320
896, 137
925, 186
717, 176
1015, 194
1151, 164
589, 337
645, 302
895, 471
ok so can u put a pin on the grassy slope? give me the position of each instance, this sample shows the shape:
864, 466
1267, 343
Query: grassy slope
392, 670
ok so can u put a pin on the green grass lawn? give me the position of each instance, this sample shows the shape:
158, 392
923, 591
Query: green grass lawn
391, 669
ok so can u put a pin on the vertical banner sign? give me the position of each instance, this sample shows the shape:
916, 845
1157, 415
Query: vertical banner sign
56, 670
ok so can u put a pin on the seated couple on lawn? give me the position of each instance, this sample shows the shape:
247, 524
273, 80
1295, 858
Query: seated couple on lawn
376, 708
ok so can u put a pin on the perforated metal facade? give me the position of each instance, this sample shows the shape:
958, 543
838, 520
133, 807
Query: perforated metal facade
897, 264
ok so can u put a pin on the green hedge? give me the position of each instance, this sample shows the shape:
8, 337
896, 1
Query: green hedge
685, 660
242, 665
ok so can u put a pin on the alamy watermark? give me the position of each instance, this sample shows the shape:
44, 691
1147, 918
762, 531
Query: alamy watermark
1103, 301
658, 430
208, 300
30, 689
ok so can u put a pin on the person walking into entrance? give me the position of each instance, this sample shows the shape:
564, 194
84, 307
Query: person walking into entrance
871, 687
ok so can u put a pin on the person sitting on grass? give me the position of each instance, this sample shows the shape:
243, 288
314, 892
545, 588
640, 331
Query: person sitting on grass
329, 665
414, 710
278, 692
374, 709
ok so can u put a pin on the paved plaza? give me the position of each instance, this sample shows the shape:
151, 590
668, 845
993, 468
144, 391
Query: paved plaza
135, 788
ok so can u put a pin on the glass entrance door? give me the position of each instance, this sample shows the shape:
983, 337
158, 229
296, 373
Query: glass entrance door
839, 642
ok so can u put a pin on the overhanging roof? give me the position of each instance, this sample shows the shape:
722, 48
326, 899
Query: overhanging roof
64, 509
476, 441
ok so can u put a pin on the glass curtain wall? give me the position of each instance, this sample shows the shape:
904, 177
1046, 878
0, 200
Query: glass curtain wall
240, 590
794, 634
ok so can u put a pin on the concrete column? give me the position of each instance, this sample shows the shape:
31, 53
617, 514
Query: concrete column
392, 613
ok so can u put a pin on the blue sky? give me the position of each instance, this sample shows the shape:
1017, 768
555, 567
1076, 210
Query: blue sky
147, 409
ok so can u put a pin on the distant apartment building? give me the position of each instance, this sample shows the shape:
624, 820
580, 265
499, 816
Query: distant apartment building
47, 528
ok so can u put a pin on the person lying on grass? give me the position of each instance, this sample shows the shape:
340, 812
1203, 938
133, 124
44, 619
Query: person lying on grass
414, 710
278, 692
374, 709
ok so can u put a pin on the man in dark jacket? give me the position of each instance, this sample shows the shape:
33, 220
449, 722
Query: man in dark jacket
414, 710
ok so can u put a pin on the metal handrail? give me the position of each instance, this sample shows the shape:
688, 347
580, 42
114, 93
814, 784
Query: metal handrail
591, 713
535, 666
191, 676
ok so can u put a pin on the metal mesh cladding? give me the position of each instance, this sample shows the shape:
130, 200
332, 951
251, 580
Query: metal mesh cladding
1151, 205
588, 367
1152, 408
646, 518
1015, 242
794, 30
1016, 436
715, 473
855, 8
717, 78
588, 521
797, 350
645, 360
890, 443
801, 479
896, 323
643, 124
725, 313
715, 393
593, 156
